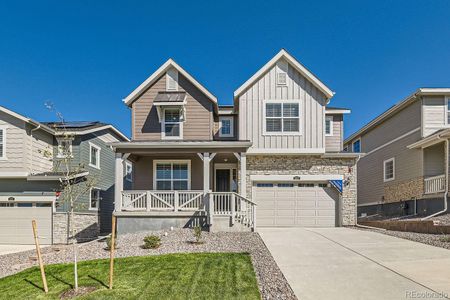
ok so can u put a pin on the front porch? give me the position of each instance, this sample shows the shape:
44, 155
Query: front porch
201, 185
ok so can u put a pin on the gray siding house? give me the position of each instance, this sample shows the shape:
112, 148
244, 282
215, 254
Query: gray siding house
274, 158
30, 172
405, 168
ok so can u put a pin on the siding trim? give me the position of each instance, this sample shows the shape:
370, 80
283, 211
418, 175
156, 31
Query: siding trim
393, 141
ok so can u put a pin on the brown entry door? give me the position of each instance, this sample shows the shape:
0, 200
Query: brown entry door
223, 180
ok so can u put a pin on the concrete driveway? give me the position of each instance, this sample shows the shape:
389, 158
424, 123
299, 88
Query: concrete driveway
343, 263
7, 249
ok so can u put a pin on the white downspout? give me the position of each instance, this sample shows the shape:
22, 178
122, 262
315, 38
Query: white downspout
446, 185
31, 147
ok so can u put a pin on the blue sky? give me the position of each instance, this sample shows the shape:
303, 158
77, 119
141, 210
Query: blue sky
86, 56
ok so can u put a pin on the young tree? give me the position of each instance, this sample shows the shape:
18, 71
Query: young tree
74, 182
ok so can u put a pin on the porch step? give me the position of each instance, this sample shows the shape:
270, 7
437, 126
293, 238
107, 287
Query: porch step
223, 224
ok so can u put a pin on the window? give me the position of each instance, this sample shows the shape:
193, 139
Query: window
6, 204
128, 171
94, 156
94, 200
346, 149
282, 118
306, 185
172, 126
357, 146
323, 185
389, 169
328, 125
282, 68
448, 110
64, 148
172, 175
264, 184
2, 142
172, 80
285, 185
226, 127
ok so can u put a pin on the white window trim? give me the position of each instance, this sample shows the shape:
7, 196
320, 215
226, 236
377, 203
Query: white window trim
360, 145
231, 134
59, 140
330, 118
4, 129
281, 68
393, 169
447, 111
173, 73
163, 125
92, 145
171, 161
291, 133
98, 200
127, 163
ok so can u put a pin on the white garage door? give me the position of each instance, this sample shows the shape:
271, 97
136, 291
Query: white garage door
295, 205
15, 223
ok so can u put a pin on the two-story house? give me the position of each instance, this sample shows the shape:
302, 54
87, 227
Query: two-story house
405, 169
274, 158
32, 173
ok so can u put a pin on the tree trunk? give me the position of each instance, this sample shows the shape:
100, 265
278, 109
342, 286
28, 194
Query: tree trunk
75, 249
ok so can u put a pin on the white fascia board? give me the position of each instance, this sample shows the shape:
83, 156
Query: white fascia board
282, 151
337, 111
296, 64
434, 91
150, 80
296, 177
343, 155
83, 132
27, 120
29, 197
13, 174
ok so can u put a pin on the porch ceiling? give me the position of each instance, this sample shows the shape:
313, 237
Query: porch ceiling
181, 146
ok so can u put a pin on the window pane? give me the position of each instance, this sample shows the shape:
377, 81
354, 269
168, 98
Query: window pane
327, 126
264, 184
226, 126
389, 170
290, 125
273, 125
172, 129
180, 171
357, 146
24, 204
285, 185
94, 152
290, 110
273, 110
180, 185
172, 115
163, 185
163, 171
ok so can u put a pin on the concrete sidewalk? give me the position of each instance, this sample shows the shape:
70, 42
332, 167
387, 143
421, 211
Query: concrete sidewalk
7, 249
344, 263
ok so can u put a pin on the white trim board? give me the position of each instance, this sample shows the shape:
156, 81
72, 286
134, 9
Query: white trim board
303, 177
286, 151
293, 62
14, 174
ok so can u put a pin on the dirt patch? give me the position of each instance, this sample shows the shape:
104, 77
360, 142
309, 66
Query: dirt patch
81, 291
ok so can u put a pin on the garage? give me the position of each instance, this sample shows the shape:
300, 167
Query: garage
15, 222
293, 204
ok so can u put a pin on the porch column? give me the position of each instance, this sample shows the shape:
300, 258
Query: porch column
118, 185
243, 167
206, 179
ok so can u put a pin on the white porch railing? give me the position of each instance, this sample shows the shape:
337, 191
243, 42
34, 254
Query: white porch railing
435, 184
162, 201
240, 209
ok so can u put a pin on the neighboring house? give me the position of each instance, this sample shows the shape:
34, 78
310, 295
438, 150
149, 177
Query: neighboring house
404, 170
30, 174
274, 158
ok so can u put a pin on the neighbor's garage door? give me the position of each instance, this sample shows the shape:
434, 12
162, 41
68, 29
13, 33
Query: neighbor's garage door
295, 205
15, 223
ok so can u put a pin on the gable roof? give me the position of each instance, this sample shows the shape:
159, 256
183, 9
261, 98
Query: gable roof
397, 107
293, 62
150, 80
72, 128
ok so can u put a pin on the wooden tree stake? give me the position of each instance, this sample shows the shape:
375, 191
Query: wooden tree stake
38, 250
111, 262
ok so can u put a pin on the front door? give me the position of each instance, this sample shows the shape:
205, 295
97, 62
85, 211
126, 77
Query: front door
223, 180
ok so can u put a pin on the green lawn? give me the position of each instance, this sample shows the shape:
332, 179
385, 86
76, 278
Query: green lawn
172, 276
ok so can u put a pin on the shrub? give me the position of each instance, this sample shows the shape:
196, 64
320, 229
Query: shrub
445, 239
108, 243
151, 242
198, 233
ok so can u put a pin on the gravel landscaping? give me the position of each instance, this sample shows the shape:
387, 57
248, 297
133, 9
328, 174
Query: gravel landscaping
441, 219
271, 281
437, 240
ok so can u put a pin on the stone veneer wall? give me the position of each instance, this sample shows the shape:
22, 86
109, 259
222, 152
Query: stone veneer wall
86, 226
309, 165
404, 190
